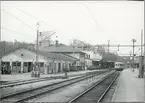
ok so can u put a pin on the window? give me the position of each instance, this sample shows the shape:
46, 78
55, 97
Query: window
14, 63
22, 54
41, 64
18, 63
25, 64
54, 65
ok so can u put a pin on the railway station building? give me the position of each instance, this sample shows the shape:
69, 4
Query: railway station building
84, 58
23, 60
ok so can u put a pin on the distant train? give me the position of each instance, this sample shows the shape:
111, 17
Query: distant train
119, 66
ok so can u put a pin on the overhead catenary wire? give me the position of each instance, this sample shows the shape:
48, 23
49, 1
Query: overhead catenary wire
32, 16
15, 31
29, 14
117, 45
95, 20
18, 19
137, 51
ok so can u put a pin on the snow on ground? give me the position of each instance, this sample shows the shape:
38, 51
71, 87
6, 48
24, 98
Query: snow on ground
130, 88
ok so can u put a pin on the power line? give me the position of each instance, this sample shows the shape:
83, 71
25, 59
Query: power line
30, 15
18, 19
137, 51
13, 31
92, 16
117, 45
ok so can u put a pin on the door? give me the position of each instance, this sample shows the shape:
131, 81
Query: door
30, 66
59, 67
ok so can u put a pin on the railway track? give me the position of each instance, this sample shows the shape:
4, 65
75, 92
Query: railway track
16, 83
96, 92
29, 94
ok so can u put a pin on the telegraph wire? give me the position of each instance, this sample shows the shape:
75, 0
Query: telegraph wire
31, 15
14, 31
137, 51
54, 28
95, 20
18, 19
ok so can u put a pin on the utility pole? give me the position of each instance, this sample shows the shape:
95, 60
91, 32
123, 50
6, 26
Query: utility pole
141, 71
133, 40
73, 53
108, 45
0, 58
118, 47
36, 72
130, 59
37, 48
144, 54
117, 53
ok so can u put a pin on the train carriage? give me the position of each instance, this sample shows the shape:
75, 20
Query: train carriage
119, 66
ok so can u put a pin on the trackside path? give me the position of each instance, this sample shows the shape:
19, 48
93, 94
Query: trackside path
130, 88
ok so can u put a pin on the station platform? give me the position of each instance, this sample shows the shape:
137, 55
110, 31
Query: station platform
27, 76
129, 88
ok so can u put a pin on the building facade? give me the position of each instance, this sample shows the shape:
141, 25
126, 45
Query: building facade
92, 58
64, 49
23, 60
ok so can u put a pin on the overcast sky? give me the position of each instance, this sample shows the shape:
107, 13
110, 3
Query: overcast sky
117, 21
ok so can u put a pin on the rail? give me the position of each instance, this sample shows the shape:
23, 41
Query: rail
28, 94
83, 97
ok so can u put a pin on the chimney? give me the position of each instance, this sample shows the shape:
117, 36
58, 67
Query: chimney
56, 42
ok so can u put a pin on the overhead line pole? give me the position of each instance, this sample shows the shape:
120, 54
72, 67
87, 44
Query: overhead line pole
36, 70
0, 57
73, 53
141, 71
108, 45
130, 59
133, 41
37, 47
144, 54
120, 45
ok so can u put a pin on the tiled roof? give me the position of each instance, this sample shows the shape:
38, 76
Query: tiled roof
70, 56
60, 49
55, 55
47, 54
